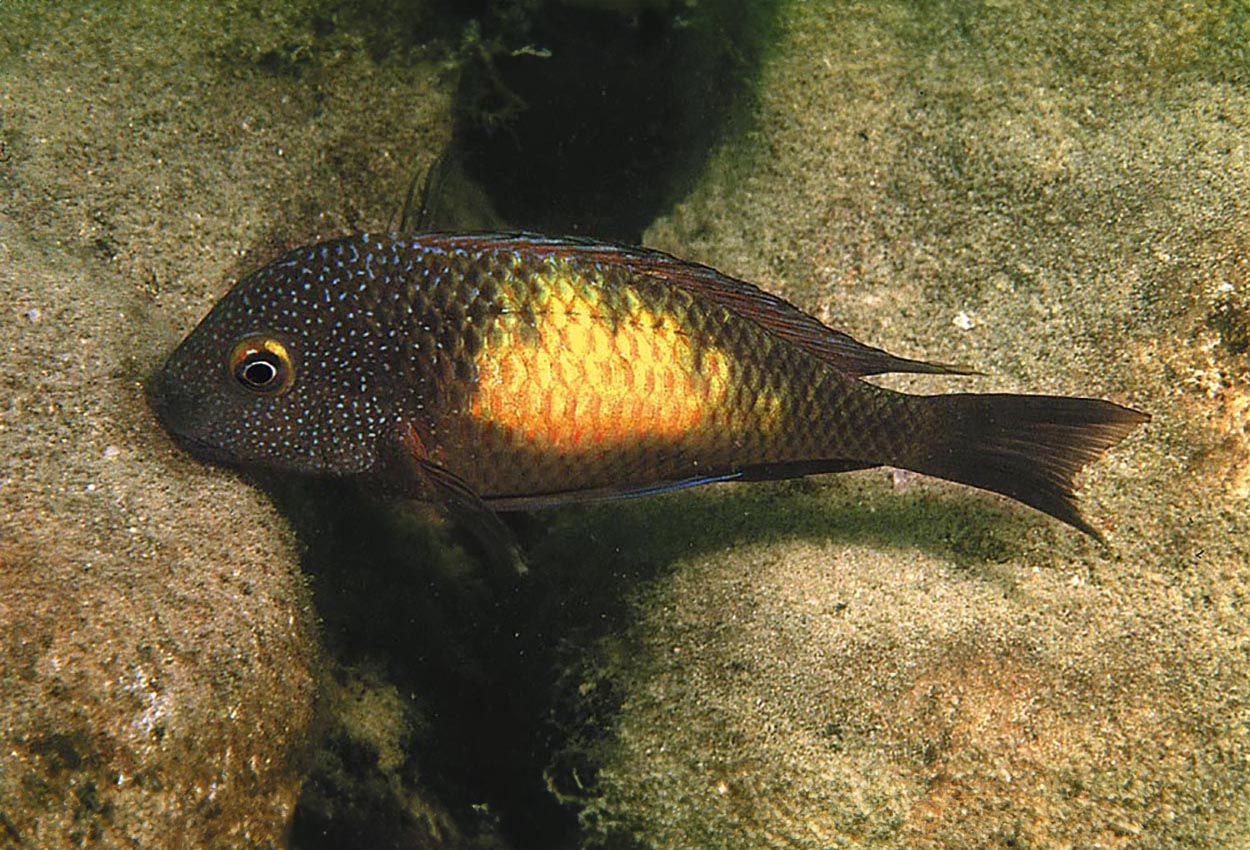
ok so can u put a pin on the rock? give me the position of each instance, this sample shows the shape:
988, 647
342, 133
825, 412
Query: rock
158, 672
160, 663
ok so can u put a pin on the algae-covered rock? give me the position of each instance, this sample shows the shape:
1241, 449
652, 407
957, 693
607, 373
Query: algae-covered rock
1051, 194
158, 664
1054, 195
157, 667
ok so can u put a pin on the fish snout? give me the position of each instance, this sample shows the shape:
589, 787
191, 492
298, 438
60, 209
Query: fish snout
179, 412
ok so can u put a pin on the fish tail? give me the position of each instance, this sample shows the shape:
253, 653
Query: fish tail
1027, 447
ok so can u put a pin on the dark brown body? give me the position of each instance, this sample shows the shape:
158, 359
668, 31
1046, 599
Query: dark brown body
517, 370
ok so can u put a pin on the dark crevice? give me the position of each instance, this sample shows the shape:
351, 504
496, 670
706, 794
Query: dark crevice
406, 605
606, 113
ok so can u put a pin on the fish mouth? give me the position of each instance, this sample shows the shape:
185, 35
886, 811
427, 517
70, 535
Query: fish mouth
160, 400
202, 449
176, 414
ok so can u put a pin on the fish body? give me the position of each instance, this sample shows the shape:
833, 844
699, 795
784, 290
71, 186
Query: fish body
500, 371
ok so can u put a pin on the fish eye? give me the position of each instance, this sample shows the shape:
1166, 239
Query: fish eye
263, 365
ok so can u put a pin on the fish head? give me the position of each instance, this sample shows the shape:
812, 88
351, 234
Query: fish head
278, 374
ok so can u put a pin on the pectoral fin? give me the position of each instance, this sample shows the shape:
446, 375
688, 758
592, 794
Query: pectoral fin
468, 509
423, 479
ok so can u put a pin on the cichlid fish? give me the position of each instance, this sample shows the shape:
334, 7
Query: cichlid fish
495, 372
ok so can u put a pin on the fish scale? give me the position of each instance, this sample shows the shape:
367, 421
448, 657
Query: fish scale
512, 370
682, 403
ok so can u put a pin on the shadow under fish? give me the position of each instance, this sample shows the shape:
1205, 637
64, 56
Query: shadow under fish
494, 372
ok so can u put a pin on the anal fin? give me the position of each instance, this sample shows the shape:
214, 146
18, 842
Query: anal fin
603, 494
799, 468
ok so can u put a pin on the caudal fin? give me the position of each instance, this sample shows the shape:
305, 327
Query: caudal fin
1028, 447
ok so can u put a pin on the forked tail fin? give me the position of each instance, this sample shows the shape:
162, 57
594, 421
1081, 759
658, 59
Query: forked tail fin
1028, 447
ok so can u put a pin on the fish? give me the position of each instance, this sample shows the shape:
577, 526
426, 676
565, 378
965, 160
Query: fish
492, 372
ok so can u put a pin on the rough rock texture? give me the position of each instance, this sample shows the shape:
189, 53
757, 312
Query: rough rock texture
1056, 195
158, 669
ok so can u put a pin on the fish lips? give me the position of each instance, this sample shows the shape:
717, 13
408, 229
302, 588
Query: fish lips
179, 414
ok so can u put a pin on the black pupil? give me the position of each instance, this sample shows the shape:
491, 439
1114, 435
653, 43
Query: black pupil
259, 371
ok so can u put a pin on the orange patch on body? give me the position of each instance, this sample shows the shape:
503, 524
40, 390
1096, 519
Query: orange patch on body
577, 380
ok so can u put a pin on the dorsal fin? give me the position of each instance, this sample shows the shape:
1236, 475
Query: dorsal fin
839, 349
779, 316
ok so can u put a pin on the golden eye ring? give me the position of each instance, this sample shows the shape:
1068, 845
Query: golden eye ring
262, 365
